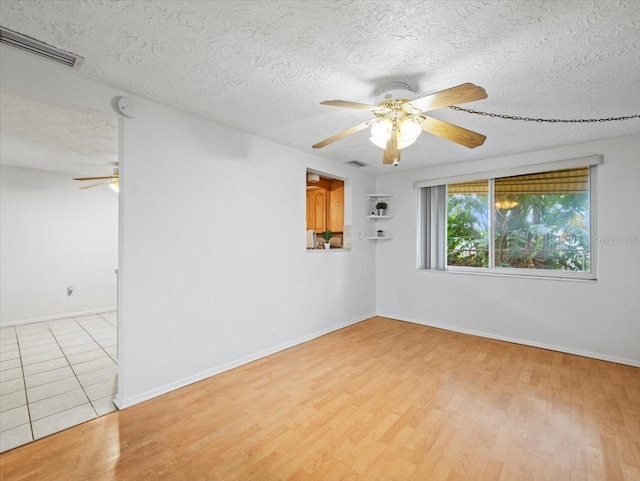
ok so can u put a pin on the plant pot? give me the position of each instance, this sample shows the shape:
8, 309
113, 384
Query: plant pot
382, 211
380, 234
327, 245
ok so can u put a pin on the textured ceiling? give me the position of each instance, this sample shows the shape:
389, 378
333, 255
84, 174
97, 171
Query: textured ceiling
264, 66
54, 138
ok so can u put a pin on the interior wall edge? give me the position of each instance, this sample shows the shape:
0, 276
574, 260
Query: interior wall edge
58, 316
524, 342
125, 402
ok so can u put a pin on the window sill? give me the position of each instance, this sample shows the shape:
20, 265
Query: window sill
473, 272
333, 249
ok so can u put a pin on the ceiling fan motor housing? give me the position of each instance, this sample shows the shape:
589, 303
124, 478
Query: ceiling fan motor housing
396, 91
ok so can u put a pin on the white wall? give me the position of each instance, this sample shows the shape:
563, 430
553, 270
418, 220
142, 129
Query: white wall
599, 319
200, 289
215, 268
52, 236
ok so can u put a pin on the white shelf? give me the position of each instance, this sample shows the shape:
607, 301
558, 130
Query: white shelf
374, 217
378, 196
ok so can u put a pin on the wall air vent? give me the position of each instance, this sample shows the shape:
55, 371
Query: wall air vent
357, 163
41, 49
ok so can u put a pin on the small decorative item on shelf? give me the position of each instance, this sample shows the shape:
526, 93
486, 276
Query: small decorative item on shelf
327, 235
380, 233
382, 208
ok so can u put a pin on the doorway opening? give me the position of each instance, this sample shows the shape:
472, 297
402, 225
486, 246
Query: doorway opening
58, 263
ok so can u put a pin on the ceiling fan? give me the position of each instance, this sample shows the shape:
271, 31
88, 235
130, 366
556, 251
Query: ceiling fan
112, 180
400, 118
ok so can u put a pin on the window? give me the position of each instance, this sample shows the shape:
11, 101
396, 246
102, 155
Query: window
542, 221
468, 224
536, 223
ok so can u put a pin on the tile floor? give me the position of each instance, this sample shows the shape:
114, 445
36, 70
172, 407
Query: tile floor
54, 375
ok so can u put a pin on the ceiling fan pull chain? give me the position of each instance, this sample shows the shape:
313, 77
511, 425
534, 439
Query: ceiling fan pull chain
552, 121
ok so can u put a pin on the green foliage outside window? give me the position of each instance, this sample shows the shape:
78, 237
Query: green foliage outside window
545, 231
536, 231
467, 230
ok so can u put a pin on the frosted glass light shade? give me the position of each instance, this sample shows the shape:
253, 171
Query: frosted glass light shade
378, 142
380, 133
402, 143
381, 130
410, 130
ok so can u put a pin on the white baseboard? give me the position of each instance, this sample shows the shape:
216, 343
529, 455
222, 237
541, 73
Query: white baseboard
123, 403
524, 342
59, 316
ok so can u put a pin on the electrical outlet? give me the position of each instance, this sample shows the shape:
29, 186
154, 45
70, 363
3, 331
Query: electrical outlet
69, 291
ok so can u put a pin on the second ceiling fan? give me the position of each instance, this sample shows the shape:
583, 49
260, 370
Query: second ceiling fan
111, 180
400, 118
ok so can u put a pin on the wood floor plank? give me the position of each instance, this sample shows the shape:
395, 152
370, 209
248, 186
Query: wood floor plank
379, 400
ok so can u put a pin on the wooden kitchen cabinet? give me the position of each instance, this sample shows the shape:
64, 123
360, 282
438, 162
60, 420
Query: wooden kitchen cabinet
335, 206
325, 206
317, 210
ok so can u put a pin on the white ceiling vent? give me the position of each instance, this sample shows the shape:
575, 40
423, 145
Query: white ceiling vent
357, 163
41, 49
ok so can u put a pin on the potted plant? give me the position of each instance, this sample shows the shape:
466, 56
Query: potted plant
382, 208
327, 235
380, 233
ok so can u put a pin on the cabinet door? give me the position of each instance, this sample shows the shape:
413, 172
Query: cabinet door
320, 208
311, 211
317, 210
336, 206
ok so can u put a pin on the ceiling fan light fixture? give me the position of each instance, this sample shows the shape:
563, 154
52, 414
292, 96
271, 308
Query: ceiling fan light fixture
405, 143
381, 132
410, 130
115, 186
378, 142
409, 133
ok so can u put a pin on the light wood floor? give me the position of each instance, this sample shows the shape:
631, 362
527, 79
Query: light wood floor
380, 400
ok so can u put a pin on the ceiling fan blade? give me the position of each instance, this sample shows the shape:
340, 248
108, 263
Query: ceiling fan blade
354, 105
391, 153
455, 95
343, 134
452, 132
102, 182
97, 178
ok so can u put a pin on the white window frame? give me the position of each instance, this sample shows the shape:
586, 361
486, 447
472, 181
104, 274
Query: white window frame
432, 207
